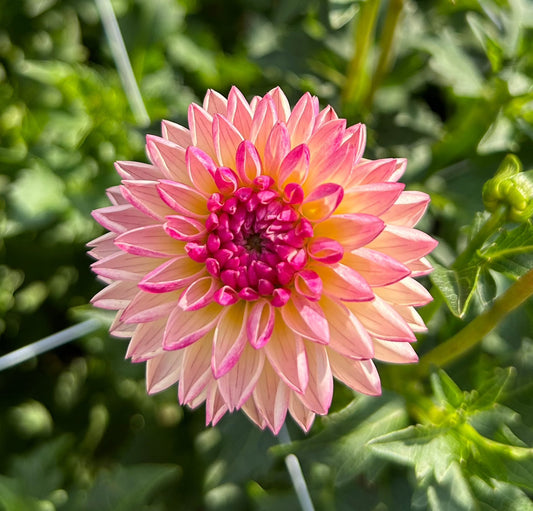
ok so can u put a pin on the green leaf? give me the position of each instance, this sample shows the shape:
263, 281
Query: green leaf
343, 444
456, 286
511, 253
446, 391
491, 389
452, 493
496, 496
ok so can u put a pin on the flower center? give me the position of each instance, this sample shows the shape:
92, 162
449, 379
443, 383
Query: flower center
256, 243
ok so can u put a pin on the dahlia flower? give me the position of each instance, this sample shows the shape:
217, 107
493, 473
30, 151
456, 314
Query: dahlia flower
259, 256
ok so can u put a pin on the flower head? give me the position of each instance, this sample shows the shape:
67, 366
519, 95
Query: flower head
259, 256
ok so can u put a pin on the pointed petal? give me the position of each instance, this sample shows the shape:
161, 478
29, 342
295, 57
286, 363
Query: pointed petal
237, 385
262, 123
395, 352
344, 283
286, 353
147, 341
176, 133
381, 320
163, 371
149, 241
420, 268
372, 199
239, 112
408, 209
248, 162
377, 269
277, 147
306, 318
348, 336
186, 327
271, 397
144, 196
226, 139
319, 391
359, 375
374, 171
215, 103
295, 166
300, 413
403, 243
169, 157
200, 124
405, 292
103, 246
121, 266
215, 406
138, 171
116, 296
322, 202
281, 103
351, 230
195, 369
302, 119
201, 169
198, 294
260, 323
184, 199
149, 307
229, 339
121, 218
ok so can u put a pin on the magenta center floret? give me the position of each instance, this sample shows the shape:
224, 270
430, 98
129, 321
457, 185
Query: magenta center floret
255, 243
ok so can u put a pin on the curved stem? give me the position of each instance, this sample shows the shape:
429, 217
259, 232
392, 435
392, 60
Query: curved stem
296, 474
471, 334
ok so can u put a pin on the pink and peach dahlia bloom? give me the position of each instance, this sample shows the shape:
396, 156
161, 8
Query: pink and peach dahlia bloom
260, 256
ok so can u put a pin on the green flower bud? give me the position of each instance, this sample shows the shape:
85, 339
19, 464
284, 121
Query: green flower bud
512, 188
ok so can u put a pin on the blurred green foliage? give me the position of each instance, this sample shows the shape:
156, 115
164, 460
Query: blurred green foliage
454, 94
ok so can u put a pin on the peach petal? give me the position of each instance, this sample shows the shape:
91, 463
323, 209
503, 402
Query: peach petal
172, 275
263, 121
405, 292
306, 318
271, 398
201, 169
162, 371
351, 230
237, 385
200, 124
277, 147
147, 307
215, 103
408, 209
121, 218
215, 406
348, 336
377, 269
122, 266
146, 341
281, 104
198, 294
116, 296
239, 112
195, 369
300, 413
286, 354
302, 119
253, 414
372, 199
186, 327
319, 392
248, 162
295, 166
322, 202
169, 157
144, 196
260, 323
308, 284
343, 282
149, 241
395, 352
403, 243
184, 199
103, 246
176, 133
381, 320
359, 375
420, 268
115, 196
138, 171
229, 339
226, 139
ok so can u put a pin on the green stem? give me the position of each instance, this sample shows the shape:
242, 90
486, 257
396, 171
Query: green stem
386, 48
356, 81
471, 334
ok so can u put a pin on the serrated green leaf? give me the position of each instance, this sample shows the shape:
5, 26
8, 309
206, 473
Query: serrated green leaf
491, 389
497, 496
445, 389
343, 442
456, 286
452, 493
